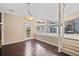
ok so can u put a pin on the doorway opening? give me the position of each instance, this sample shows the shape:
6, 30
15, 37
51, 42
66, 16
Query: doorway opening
28, 30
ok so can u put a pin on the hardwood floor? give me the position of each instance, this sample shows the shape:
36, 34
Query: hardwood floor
30, 48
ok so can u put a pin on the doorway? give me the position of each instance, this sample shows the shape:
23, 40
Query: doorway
28, 30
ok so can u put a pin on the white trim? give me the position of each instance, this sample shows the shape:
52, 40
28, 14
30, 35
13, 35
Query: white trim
2, 28
13, 42
48, 42
28, 38
70, 52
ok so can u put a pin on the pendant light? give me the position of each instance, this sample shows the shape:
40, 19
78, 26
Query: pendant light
29, 16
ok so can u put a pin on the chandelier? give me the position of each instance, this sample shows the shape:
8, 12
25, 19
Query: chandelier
29, 16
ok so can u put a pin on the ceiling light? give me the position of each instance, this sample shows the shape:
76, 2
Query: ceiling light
29, 17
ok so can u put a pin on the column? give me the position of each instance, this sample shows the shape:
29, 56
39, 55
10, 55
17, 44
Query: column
61, 26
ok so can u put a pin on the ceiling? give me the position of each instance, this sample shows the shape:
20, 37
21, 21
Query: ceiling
39, 10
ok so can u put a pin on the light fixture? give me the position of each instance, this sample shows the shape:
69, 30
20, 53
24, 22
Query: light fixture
29, 16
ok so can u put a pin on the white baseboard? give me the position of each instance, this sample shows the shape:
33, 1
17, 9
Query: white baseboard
13, 42
48, 42
16, 41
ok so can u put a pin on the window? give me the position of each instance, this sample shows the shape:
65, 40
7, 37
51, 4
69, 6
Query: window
41, 28
50, 27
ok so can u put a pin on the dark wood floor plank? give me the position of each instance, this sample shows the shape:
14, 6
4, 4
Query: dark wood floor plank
30, 48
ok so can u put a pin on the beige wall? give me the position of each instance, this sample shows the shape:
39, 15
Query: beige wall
13, 28
34, 29
72, 16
